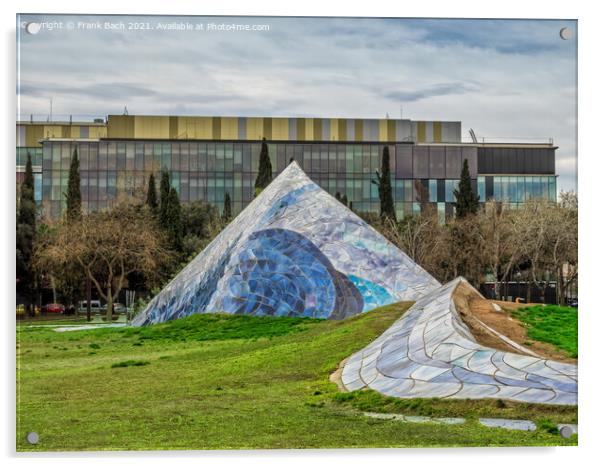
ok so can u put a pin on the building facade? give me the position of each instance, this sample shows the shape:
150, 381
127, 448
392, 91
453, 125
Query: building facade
208, 157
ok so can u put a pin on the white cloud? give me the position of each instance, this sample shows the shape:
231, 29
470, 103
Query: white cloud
512, 79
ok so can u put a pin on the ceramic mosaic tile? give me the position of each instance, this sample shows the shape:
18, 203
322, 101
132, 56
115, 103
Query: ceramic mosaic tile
294, 251
418, 356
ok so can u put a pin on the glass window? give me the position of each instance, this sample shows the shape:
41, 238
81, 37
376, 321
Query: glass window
66, 155
408, 190
121, 156
130, 155
528, 187
112, 156
433, 190
481, 188
552, 188
520, 189
450, 186
441, 212
544, 187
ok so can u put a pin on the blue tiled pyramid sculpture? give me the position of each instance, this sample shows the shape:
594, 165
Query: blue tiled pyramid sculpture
294, 251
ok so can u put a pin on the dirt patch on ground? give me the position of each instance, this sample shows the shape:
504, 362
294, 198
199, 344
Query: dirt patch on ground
337, 375
478, 314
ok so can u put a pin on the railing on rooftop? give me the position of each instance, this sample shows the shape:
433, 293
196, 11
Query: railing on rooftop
61, 119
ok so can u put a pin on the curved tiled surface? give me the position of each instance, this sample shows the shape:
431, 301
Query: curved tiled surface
294, 251
429, 352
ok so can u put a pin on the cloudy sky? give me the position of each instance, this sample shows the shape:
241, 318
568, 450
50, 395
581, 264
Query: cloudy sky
513, 79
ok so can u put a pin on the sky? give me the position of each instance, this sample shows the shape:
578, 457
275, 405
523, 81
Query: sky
510, 80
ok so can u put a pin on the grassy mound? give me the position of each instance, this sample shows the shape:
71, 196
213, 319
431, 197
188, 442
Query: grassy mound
556, 325
204, 327
218, 382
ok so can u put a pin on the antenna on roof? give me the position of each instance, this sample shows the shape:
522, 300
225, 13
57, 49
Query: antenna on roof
473, 135
387, 117
125, 110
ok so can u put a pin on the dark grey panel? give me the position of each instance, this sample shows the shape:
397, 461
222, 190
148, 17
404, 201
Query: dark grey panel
437, 162
421, 162
404, 164
453, 162
520, 160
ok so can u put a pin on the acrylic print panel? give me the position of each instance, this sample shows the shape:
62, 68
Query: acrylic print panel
272, 233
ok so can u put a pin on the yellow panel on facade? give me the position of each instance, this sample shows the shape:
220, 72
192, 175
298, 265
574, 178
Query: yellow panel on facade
97, 132
309, 129
267, 128
436, 131
229, 128
33, 134
121, 126
254, 128
317, 129
301, 129
151, 127
421, 131
391, 133
217, 127
342, 130
280, 129
196, 127
359, 130
383, 130
334, 129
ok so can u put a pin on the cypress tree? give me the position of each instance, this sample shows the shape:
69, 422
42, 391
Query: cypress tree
264, 175
74, 194
164, 190
385, 191
26, 227
173, 220
467, 202
27, 206
151, 194
227, 215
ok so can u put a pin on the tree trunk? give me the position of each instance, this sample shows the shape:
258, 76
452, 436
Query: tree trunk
52, 285
88, 298
109, 303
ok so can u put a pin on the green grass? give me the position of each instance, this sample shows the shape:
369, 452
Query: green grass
556, 325
129, 363
223, 382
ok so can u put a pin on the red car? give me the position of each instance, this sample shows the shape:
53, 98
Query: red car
54, 308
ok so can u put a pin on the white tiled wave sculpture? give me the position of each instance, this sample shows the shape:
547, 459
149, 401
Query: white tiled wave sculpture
294, 251
430, 353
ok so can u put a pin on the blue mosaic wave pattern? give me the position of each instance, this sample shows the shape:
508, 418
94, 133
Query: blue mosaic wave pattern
294, 251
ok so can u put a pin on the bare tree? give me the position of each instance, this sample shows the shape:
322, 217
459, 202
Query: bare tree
500, 251
108, 246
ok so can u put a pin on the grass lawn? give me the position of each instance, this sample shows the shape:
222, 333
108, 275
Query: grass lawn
230, 382
556, 325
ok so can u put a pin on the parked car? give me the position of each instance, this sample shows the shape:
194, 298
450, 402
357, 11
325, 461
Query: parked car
118, 308
94, 306
54, 308
572, 302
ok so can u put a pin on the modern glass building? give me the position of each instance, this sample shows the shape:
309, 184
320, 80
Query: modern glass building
210, 156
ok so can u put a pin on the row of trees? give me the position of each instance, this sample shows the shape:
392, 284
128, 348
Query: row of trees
144, 239
140, 241
536, 243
